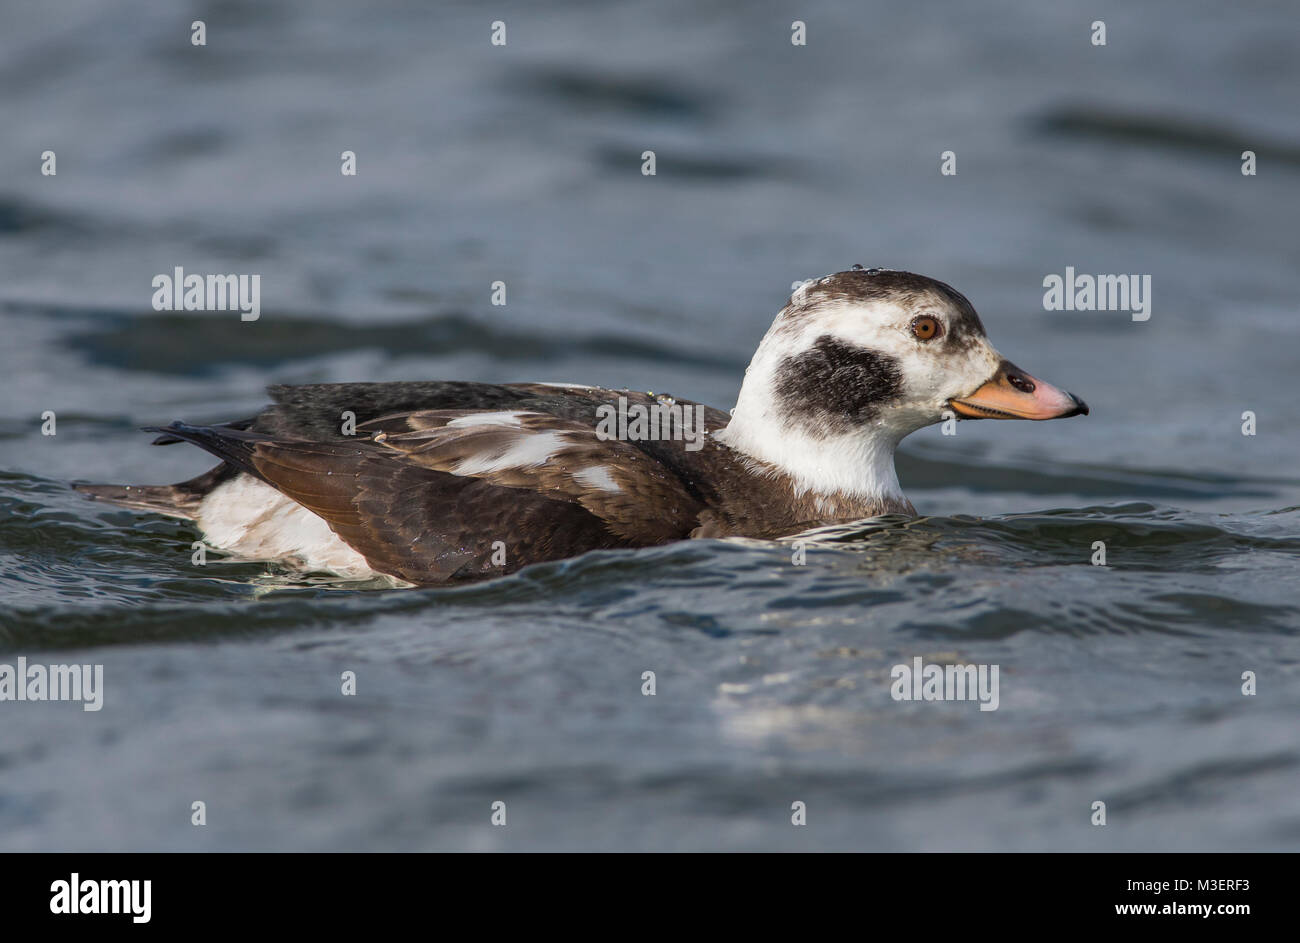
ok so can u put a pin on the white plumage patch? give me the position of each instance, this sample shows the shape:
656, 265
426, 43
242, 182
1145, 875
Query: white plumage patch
250, 519
597, 476
528, 449
510, 419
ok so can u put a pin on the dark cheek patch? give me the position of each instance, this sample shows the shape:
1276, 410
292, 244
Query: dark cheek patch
834, 386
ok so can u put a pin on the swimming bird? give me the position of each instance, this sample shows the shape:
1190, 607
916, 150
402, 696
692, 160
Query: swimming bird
444, 482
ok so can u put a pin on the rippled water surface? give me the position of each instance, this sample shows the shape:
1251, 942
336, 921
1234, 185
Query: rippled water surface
1120, 684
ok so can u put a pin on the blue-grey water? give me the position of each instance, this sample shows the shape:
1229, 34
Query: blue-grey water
522, 163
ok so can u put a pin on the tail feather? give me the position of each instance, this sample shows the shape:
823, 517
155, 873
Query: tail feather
233, 446
168, 438
162, 499
181, 500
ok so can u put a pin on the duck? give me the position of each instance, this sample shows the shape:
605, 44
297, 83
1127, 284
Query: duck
430, 483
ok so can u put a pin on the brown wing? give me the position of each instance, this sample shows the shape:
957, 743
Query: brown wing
636, 497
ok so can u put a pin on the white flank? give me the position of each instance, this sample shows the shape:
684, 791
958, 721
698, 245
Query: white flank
251, 519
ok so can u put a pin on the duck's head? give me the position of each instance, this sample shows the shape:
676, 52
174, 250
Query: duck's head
858, 360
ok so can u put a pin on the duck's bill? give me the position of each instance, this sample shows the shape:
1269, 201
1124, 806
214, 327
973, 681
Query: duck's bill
1014, 394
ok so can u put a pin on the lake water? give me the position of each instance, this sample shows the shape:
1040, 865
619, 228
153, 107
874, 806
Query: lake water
522, 163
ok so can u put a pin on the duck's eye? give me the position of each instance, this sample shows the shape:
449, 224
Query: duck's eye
926, 328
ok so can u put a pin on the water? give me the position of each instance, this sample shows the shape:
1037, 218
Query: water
1120, 684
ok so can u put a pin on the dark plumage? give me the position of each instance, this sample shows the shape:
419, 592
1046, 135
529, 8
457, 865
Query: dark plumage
837, 385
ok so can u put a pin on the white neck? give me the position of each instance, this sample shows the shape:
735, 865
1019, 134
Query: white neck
858, 464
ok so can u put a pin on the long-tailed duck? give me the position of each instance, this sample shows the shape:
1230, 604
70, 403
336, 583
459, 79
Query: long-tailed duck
439, 482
